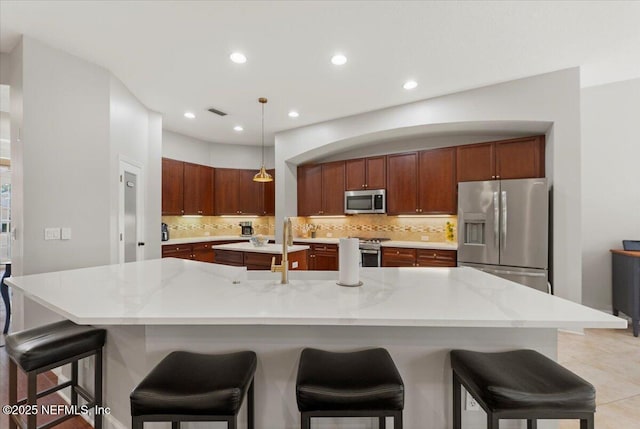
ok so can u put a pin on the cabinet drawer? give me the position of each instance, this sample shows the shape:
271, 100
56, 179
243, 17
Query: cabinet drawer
259, 261
436, 258
398, 252
229, 257
202, 246
168, 250
325, 248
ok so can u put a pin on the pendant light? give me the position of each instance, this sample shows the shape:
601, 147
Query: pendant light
262, 175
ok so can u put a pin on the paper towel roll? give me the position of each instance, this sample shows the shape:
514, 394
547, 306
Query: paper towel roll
349, 274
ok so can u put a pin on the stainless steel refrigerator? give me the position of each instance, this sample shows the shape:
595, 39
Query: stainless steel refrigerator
503, 229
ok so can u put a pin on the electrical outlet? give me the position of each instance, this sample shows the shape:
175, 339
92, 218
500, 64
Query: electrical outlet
471, 404
66, 234
425, 238
294, 264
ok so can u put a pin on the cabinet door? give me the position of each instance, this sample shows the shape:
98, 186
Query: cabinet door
402, 190
206, 186
191, 190
520, 158
333, 188
309, 190
398, 257
270, 195
475, 162
355, 174
376, 172
436, 258
203, 252
251, 193
229, 257
227, 201
325, 257
437, 181
172, 186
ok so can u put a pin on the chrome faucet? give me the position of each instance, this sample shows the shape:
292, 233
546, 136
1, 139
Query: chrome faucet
287, 240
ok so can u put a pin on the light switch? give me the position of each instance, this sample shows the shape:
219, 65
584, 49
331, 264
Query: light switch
52, 233
66, 233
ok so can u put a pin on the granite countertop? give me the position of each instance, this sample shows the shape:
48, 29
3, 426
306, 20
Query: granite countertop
174, 291
275, 249
210, 238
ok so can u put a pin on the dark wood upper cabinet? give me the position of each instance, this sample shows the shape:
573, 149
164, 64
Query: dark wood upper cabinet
333, 188
309, 190
206, 188
191, 194
520, 158
251, 194
270, 195
172, 187
475, 162
227, 200
402, 185
437, 181
366, 173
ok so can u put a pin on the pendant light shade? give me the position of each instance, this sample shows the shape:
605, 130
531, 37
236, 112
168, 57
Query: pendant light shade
262, 175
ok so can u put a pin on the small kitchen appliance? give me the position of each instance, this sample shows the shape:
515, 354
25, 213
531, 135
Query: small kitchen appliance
165, 232
247, 229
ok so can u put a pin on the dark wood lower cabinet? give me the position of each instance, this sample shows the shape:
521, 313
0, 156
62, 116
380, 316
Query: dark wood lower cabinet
407, 257
259, 261
324, 257
229, 257
195, 251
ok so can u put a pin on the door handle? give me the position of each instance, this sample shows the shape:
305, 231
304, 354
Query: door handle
512, 273
140, 243
504, 219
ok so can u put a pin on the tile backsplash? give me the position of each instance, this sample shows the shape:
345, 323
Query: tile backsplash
418, 228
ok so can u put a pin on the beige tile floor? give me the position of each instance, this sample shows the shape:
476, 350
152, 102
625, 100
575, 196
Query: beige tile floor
610, 360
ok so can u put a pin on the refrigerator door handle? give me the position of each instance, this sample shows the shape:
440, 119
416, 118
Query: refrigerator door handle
496, 218
504, 219
512, 273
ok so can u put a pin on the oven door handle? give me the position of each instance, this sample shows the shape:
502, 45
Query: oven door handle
369, 252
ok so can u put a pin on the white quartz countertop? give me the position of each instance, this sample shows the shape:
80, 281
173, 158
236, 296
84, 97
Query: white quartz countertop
210, 238
274, 249
420, 244
173, 291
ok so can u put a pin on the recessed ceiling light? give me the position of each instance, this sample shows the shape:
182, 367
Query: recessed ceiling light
238, 58
339, 59
189, 115
410, 84
238, 128
293, 114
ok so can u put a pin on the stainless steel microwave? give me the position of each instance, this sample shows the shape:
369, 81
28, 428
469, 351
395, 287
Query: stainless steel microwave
369, 201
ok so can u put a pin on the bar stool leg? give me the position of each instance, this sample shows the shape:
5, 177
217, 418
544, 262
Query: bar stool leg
32, 392
97, 383
493, 422
13, 390
231, 423
532, 424
175, 425
136, 423
457, 407
382, 423
250, 405
74, 382
305, 421
397, 420
587, 423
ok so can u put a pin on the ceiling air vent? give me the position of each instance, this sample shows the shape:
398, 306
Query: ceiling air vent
217, 112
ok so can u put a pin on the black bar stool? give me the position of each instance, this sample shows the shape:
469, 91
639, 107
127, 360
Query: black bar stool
188, 386
520, 384
41, 349
356, 384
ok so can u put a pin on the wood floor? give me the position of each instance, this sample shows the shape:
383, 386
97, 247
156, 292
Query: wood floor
609, 359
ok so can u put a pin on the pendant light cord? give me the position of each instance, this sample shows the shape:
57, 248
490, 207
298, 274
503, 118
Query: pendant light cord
262, 134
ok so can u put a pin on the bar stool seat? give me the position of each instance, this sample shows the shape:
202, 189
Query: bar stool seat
45, 345
187, 386
521, 384
357, 384
50, 346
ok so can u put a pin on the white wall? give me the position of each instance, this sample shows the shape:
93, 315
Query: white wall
5, 69
135, 136
610, 181
552, 97
189, 149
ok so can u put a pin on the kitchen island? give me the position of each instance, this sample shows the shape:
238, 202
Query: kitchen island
153, 307
259, 257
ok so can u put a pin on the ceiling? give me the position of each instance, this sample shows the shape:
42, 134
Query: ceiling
174, 56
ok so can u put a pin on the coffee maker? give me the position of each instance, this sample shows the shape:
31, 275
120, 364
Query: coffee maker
247, 229
165, 232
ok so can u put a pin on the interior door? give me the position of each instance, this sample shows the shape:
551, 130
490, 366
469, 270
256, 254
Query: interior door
130, 217
131, 212
478, 222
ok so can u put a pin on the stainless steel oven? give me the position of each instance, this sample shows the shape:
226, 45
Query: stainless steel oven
370, 252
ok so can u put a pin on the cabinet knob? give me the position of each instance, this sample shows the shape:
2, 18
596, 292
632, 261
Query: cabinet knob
434, 255
498, 176
397, 252
200, 211
417, 210
182, 211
